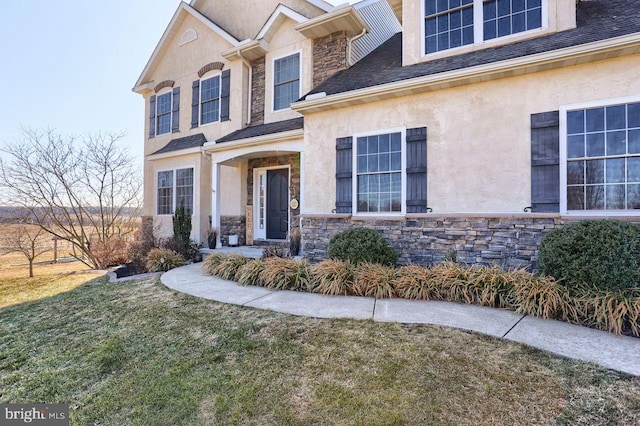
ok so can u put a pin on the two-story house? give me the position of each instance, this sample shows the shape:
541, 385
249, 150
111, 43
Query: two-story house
451, 126
221, 135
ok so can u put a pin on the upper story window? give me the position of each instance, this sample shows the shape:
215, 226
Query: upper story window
210, 100
455, 23
379, 173
602, 152
505, 17
448, 24
286, 81
163, 113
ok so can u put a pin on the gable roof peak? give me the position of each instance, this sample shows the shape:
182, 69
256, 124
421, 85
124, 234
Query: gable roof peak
179, 16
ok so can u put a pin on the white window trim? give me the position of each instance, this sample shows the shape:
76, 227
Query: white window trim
563, 157
478, 32
273, 80
257, 232
155, 122
207, 76
174, 192
403, 172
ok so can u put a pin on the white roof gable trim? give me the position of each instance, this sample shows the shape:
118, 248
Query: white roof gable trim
276, 20
182, 9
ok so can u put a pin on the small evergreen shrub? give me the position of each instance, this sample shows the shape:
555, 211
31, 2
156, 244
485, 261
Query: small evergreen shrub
601, 254
360, 245
161, 260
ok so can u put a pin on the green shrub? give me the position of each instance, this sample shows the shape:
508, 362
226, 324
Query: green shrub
361, 245
602, 254
162, 260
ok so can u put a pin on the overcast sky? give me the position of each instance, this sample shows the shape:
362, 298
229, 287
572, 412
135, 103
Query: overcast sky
70, 65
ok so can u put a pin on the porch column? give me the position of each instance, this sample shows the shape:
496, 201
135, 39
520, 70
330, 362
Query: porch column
215, 199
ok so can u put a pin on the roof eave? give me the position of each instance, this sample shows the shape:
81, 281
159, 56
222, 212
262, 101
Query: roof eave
604, 49
182, 8
342, 19
257, 140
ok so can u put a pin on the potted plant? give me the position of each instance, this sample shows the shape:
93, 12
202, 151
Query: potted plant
212, 237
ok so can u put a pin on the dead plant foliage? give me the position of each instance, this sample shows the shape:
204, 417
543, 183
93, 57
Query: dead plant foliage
250, 273
375, 280
416, 282
332, 277
285, 274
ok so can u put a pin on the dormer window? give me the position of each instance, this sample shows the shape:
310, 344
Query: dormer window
506, 17
454, 23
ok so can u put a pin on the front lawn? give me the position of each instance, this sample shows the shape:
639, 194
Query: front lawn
137, 353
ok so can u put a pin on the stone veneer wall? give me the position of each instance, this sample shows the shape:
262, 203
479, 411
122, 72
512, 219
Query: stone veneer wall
292, 160
257, 91
507, 241
233, 225
329, 56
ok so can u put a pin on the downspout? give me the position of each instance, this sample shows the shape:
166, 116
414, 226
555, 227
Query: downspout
350, 61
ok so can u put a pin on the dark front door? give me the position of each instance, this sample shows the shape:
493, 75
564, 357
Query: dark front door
277, 203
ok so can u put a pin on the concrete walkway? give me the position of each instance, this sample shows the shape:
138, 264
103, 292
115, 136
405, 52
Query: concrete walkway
567, 340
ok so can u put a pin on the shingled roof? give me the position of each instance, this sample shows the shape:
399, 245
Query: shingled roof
183, 143
263, 129
596, 20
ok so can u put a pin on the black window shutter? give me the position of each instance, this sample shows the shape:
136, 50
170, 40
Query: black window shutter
175, 111
545, 162
195, 104
344, 175
152, 116
225, 92
417, 170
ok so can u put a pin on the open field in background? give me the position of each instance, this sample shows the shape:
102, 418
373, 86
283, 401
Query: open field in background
50, 278
137, 353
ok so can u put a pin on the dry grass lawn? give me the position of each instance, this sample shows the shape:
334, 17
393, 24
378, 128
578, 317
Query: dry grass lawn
137, 353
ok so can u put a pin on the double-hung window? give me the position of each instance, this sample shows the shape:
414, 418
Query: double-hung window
602, 158
175, 187
454, 23
210, 100
379, 173
163, 113
286, 81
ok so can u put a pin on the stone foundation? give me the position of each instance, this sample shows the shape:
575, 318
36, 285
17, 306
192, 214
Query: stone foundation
506, 241
232, 225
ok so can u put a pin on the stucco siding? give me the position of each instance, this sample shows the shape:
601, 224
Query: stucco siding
478, 136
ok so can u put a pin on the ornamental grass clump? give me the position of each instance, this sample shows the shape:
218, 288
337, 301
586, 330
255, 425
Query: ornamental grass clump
228, 266
613, 311
332, 277
416, 282
374, 280
493, 286
212, 261
162, 260
542, 296
285, 274
251, 273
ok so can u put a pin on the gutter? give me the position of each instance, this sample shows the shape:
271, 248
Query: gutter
604, 49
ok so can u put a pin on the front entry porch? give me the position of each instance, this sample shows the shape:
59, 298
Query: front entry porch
255, 196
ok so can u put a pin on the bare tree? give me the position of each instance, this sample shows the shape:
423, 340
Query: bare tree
30, 241
82, 190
